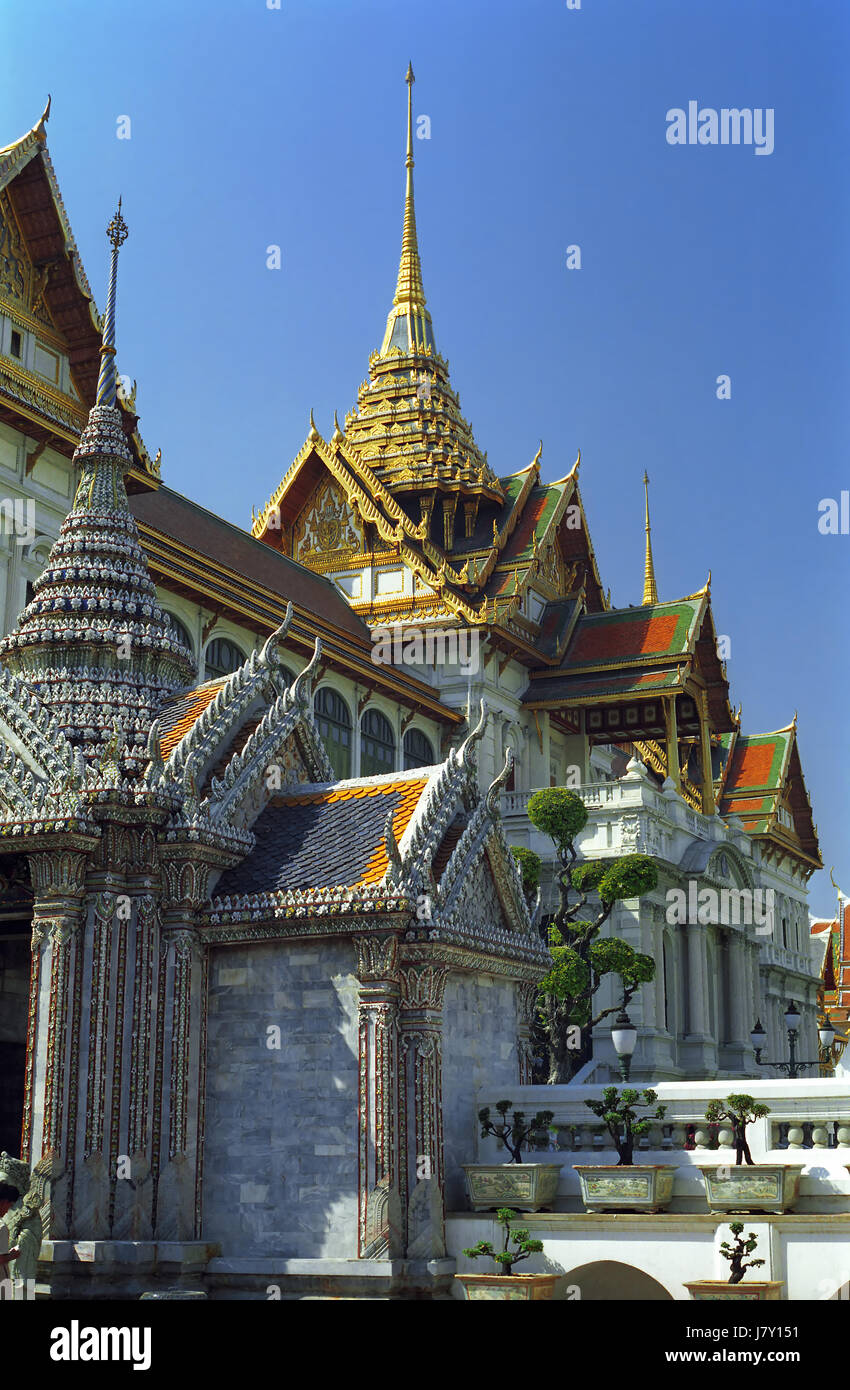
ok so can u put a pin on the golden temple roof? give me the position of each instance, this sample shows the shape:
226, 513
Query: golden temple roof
407, 424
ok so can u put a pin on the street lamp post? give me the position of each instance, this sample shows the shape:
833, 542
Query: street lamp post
624, 1037
758, 1036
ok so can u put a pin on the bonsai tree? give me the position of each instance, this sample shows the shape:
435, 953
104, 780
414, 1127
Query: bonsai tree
617, 1109
507, 1258
738, 1111
580, 957
735, 1253
513, 1134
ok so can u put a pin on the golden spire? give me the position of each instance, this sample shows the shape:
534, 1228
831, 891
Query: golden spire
650, 591
409, 290
409, 323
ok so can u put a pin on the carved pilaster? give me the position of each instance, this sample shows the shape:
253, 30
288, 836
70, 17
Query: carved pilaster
181, 953
526, 1002
380, 1233
420, 1027
58, 880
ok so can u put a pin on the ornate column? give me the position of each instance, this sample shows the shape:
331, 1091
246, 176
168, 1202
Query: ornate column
526, 1003
52, 1077
697, 1002
380, 1220
739, 994
179, 1044
421, 1106
708, 804
673, 770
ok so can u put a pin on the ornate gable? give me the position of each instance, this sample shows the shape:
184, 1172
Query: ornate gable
327, 529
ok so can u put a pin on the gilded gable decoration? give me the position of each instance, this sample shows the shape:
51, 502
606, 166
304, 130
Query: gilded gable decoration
327, 526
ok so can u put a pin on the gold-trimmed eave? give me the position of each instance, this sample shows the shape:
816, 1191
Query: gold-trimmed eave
615, 697
591, 553
354, 477
194, 578
14, 158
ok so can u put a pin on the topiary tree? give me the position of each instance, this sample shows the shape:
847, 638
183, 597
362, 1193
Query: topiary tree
738, 1111
617, 1109
528, 864
580, 958
735, 1253
516, 1133
506, 1258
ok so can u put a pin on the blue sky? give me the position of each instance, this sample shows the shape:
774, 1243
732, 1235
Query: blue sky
253, 126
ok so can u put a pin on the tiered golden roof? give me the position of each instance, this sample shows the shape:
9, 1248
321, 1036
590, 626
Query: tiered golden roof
407, 424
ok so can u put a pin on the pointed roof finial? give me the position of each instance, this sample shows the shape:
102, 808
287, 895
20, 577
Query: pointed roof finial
117, 233
409, 320
650, 589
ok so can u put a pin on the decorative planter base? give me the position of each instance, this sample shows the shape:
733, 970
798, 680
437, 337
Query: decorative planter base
522, 1186
508, 1288
614, 1187
756, 1290
770, 1187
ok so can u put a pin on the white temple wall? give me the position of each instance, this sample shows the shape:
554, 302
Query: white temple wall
479, 1048
280, 1152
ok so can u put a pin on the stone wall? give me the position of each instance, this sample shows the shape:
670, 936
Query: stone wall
280, 1155
479, 1047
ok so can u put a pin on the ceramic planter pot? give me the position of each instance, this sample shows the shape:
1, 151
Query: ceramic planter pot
522, 1186
756, 1290
771, 1187
636, 1187
508, 1288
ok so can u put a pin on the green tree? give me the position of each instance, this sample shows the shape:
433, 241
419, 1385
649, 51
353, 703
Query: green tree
738, 1110
617, 1109
580, 957
735, 1253
507, 1258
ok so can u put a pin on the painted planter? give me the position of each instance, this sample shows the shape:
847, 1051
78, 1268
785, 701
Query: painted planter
770, 1187
755, 1290
507, 1288
522, 1186
621, 1187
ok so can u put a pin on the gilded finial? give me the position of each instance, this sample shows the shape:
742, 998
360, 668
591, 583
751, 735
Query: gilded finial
337, 434
409, 300
312, 433
117, 233
650, 589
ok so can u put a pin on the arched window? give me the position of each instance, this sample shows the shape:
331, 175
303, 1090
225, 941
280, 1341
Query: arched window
181, 632
418, 750
377, 745
222, 657
334, 725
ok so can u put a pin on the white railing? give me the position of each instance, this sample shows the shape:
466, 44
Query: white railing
808, 1124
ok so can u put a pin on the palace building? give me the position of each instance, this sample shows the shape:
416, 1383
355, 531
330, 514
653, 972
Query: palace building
261, 934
